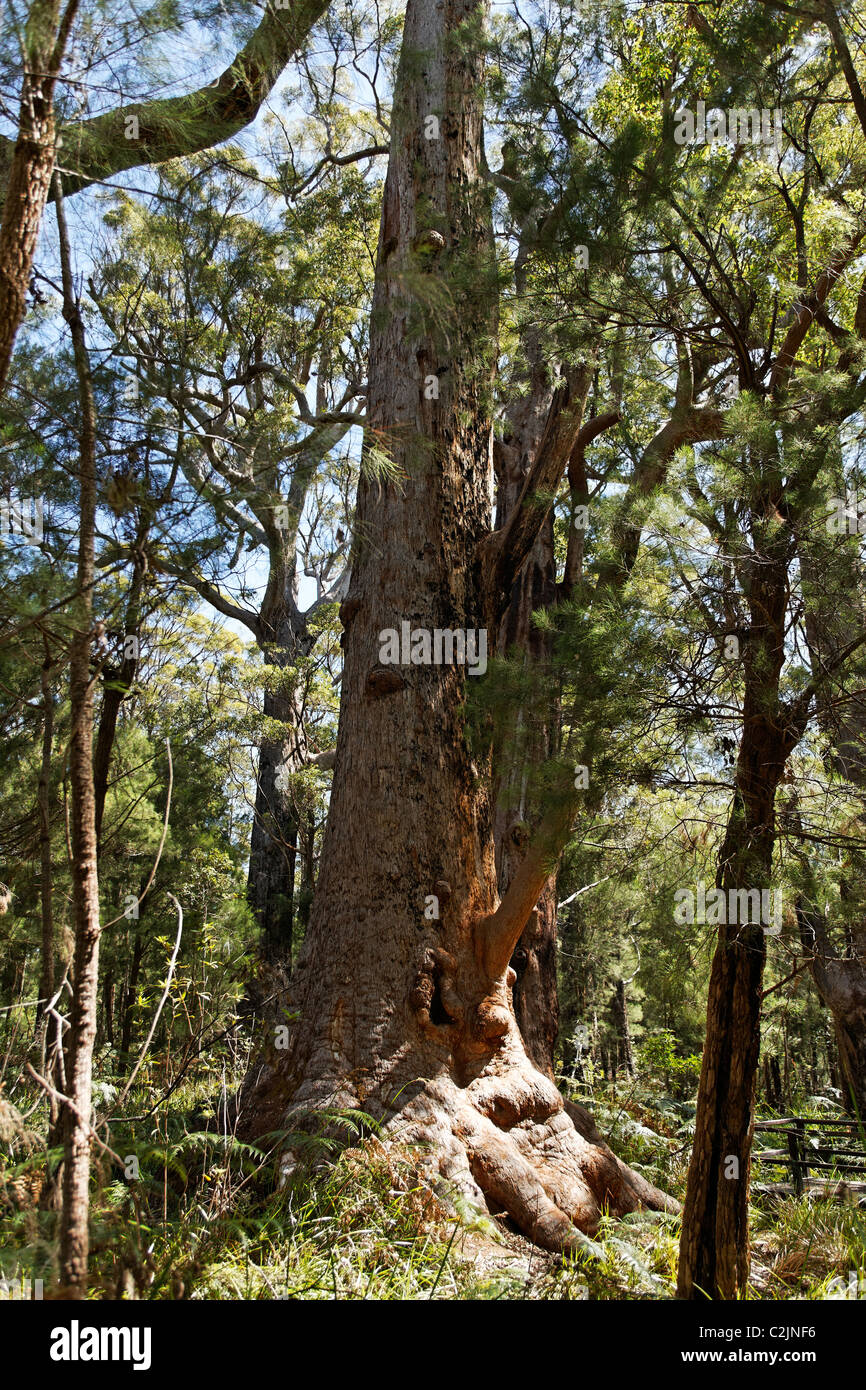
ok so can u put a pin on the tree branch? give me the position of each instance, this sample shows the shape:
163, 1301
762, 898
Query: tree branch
175, 126
504, 551
687, 427
211, 594
807, 311
499, 934
159, 1008
831, 19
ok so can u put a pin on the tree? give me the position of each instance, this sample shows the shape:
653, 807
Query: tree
74, 1223
406, 1013
141, 133
833, 587
31, 166
249, 344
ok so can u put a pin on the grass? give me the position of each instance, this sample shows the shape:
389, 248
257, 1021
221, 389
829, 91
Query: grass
203, 1219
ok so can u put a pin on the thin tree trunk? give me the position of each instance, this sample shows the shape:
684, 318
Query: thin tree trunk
622, 1031
714, 1246
773, 1081
130, 992
46, 875
74, 1220
108, 1007
117, 684
274, 841
284, 640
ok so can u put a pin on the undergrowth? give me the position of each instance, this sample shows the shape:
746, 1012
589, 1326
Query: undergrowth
195, 1214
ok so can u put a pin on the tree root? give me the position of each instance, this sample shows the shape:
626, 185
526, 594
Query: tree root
515, 1147
490, 1127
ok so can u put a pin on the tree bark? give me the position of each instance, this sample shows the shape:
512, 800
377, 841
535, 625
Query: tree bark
621, 1029
274, 837
841, 985
533, 735
273, 850
835, 609
108, 1007
172, 127
31, 165
405, 1013
117, 683
714, 1246
536, 994
714, 1249
773, 1081
130, 991
74, 1220
46, 873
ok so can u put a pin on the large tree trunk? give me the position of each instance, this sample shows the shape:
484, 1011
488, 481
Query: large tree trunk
74, 1220
406, 1013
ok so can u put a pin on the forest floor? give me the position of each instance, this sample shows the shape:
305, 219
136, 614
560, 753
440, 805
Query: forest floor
201, 1219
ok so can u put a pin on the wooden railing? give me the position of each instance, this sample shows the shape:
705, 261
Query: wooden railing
813, 1148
